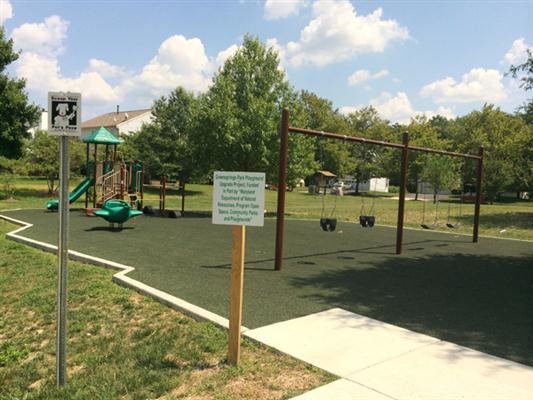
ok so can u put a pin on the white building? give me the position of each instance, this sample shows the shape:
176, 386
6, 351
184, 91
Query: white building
42, 125
372, 185
119, 122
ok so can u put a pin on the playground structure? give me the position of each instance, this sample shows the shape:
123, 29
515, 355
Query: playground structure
110, 179
404, 147
162, 210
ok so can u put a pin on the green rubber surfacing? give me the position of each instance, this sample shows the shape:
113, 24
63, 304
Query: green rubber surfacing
476, 295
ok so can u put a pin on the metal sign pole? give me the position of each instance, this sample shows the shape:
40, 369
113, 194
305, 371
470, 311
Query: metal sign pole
61, 344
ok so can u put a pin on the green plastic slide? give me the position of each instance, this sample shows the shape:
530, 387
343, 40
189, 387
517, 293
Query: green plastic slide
74, 195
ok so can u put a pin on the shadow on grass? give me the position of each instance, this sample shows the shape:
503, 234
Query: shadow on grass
28, 192
481, 302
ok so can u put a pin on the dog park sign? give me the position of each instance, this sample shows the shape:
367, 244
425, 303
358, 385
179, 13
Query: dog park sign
238, 200
64, 114
64, 120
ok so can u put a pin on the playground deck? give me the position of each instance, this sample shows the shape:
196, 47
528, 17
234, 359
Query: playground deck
475, 295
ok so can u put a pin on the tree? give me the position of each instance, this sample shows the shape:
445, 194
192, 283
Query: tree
9, 169
498, 132
42, 157
240, 116
524, 73
165, 146
16, 114
440, 172
367, 161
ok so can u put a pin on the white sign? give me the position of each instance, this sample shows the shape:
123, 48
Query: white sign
64, 114
238, 198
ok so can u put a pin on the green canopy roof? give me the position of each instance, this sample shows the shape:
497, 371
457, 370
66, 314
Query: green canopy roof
102, 136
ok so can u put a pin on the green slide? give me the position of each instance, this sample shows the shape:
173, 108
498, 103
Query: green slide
74, 195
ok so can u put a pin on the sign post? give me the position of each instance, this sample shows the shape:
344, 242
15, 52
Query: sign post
238, 200
64, 120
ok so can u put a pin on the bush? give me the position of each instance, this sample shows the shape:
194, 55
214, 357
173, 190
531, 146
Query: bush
394, 189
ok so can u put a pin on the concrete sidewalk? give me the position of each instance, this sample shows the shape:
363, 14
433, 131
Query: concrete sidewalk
376, 360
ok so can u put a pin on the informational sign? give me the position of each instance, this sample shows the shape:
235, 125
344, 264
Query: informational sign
64, 114
238, 198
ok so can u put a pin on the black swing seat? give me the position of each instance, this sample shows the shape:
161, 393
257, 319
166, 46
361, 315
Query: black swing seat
432, 226
367, 221
328, 224
453, 226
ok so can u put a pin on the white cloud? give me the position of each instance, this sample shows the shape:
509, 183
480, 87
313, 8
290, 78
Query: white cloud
363, 75
44, 38
43, 74
105, 69
478, 85
223, 55
397, 108
179, 62
337, 33
279, 9
6, 11
517, 54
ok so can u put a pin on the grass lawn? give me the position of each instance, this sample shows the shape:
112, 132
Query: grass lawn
514, 218
122, 345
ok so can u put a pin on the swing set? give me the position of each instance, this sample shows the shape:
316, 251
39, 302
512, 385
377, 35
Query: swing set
369, 220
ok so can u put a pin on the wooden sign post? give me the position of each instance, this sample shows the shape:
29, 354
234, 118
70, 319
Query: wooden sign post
238, 200
237, 280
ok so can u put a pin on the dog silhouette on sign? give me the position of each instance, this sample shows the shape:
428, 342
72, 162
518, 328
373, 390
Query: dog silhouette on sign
62, 120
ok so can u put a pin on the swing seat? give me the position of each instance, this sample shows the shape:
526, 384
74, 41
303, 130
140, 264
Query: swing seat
453, 226
328, 224
367, 221
432, 226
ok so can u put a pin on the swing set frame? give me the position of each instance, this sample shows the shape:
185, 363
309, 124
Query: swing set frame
404, 147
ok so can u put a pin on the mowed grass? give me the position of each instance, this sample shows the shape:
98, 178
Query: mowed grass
121, 344
508, 219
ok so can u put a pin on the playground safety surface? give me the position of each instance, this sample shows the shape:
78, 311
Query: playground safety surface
475, 295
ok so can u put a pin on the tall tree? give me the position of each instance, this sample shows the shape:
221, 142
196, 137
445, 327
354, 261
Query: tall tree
16, 114
41, 158
240, 115
497, 132
165, 145
441, 172
524, 73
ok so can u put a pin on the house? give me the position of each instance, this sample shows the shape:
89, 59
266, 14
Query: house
372, 185
42, 125
118, 122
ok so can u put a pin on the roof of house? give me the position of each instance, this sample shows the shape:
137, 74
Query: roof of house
327, 174
102, 136
113, 119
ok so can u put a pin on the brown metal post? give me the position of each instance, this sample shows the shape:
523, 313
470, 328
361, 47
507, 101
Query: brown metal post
88, 173
403, 185
478, 194
121, 182
282, 177
183, 199
164, 192
95, 171
142, 186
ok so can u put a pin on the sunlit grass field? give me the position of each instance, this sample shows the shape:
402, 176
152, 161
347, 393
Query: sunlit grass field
509, 219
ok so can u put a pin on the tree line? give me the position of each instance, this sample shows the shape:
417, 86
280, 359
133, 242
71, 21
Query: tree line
235, 125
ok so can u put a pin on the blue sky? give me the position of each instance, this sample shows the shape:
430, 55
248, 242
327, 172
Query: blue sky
403, 57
